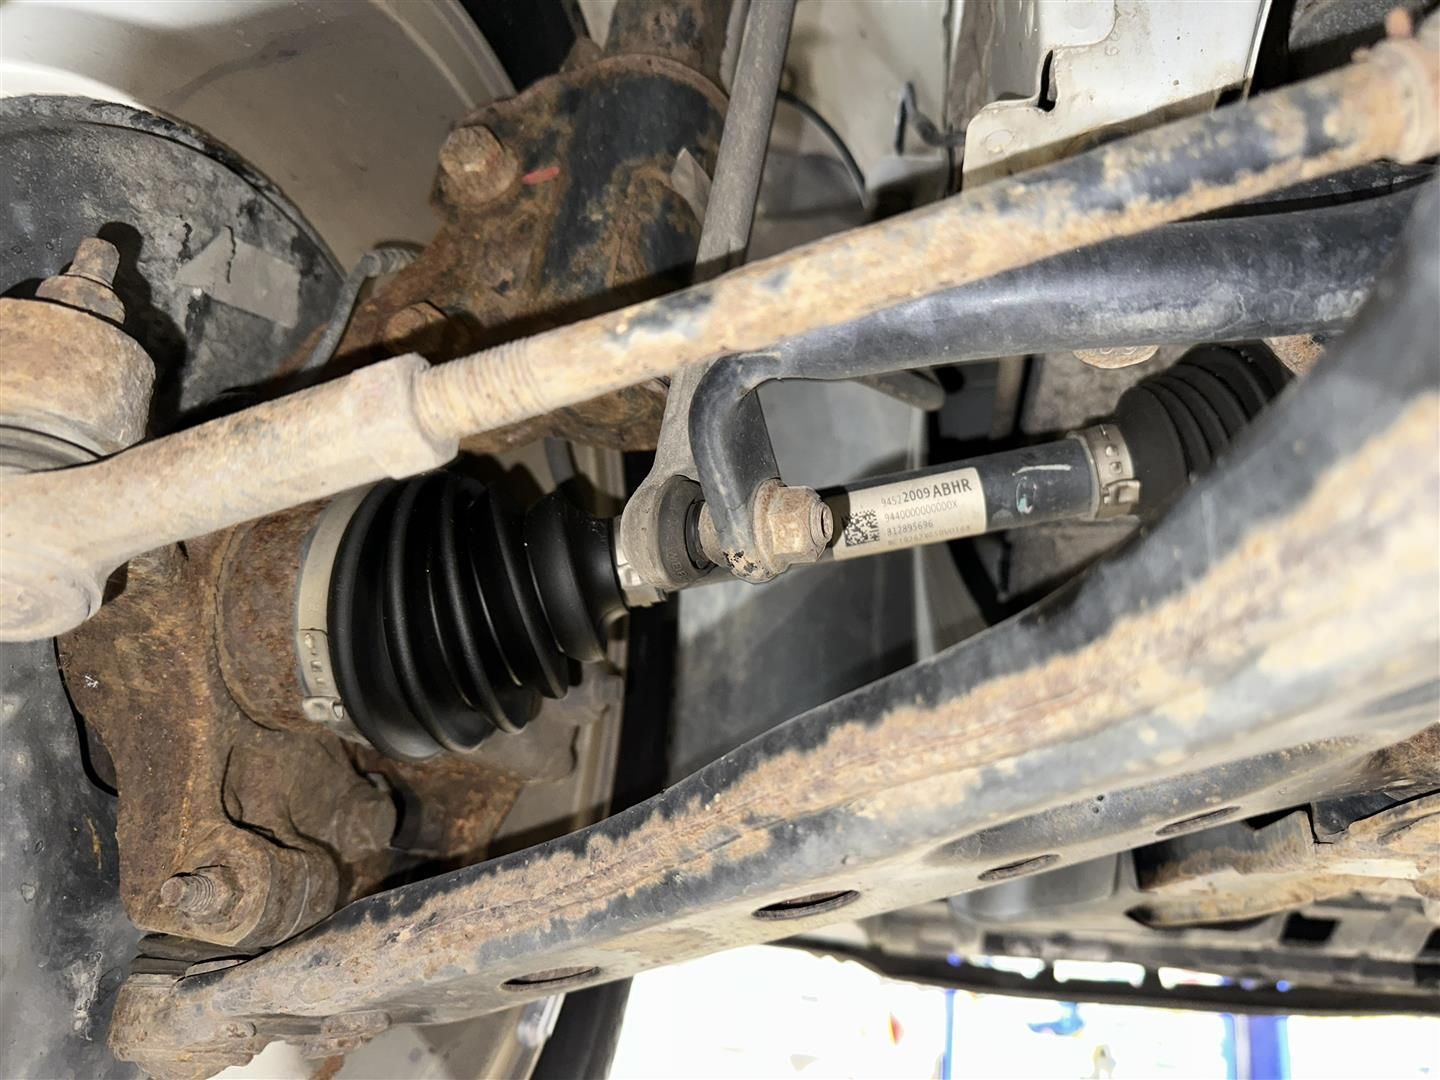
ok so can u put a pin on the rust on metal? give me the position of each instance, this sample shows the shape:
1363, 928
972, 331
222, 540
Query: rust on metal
296, 821
1298, 352
72, 375
792, 525
688, 32
86, 284
1289, 598
475, 167
508, 173
81, 524
255, 589
395, 419
144, 676
1242, 873
1365, 111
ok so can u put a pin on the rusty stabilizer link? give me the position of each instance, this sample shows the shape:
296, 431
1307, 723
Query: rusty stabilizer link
1280, 616
1230, 279
1167, 429
63, 533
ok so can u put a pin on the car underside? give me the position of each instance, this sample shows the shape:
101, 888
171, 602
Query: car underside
463, 548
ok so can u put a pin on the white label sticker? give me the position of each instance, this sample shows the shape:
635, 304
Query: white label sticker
908, 513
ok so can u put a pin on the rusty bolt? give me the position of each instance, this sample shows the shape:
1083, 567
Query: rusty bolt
86, 285
203, 894
95, 259
475, 167
794, 523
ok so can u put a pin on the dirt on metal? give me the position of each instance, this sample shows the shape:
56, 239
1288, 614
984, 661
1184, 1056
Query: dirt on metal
1365, 111
303, 820
506, 173
1278, 600
73, 374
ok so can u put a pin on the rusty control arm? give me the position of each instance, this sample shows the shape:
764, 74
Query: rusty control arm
1281, 616
63, 532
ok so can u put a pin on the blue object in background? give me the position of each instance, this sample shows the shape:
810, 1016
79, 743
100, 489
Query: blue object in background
1256, 1047
947, 1059
1269, 1046
1067, 1023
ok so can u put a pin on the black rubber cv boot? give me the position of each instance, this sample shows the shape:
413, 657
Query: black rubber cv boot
451, 614
1178, 421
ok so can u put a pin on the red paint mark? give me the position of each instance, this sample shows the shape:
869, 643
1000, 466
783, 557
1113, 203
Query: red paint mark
541, 176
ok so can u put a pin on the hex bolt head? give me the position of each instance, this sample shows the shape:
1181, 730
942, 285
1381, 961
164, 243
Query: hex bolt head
796, 523
201, 894
475, 167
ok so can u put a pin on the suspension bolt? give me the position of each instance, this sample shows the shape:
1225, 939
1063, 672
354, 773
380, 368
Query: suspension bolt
86, 285
794, 522
475, 167
202, 894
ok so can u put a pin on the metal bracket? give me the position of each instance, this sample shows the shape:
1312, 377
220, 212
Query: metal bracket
322, 701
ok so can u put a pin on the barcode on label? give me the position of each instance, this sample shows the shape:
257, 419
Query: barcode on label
925, 508
862, 528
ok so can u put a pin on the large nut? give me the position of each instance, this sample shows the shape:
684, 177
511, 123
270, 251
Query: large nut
475, 167
794, 524
791, 524
256, 892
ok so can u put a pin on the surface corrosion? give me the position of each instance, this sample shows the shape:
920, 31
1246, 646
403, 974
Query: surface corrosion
1240, 633
72, 374
1354, 115
551, 212
397, 418
293, 814
1238, 872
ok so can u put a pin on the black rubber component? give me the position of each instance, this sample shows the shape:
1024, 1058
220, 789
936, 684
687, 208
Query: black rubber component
1229, 280
451, 614
1178, 421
